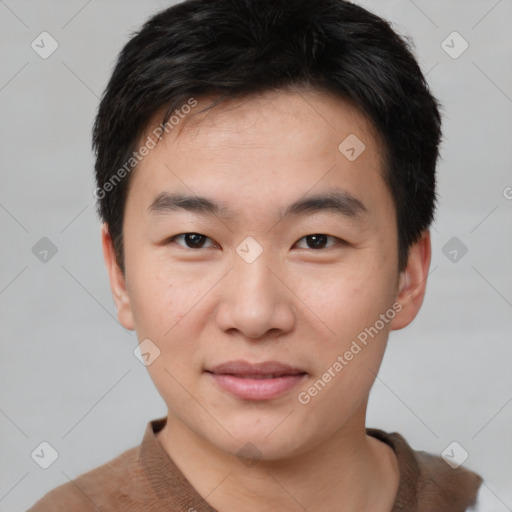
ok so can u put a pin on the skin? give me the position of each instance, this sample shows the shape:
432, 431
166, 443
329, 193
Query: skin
295, 303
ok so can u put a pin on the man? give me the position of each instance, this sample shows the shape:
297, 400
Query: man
266, 179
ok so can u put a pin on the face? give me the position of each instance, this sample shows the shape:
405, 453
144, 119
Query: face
257, 235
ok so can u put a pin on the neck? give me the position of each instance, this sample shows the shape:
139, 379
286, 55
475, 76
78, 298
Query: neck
350, 471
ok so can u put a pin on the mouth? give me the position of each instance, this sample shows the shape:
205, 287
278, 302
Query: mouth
256, 381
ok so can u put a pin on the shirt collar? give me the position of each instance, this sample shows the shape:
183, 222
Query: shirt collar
173, 489
167, 481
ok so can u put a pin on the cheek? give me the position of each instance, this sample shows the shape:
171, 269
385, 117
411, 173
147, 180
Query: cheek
346, 301
165, 308
350, 358
351, 305
159, 300
171, 309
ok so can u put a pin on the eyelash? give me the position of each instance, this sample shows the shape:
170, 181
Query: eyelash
338, 241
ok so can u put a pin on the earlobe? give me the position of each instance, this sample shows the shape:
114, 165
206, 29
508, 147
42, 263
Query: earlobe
413, 281
117, 281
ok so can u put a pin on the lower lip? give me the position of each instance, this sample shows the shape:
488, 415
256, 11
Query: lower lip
257, 389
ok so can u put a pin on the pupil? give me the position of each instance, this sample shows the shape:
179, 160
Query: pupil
195, 240
317, 241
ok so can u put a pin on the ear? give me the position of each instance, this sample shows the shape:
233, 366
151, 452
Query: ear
117, 281
413, 282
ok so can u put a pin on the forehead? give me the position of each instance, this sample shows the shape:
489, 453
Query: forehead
276, 144
313, 117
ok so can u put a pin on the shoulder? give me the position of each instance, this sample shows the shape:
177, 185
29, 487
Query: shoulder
456, 488
427, 481
103, 488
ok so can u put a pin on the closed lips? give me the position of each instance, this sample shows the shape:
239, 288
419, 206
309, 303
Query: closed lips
265, 370
260, 376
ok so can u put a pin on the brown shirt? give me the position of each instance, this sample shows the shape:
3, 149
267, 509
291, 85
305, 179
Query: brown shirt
146, 479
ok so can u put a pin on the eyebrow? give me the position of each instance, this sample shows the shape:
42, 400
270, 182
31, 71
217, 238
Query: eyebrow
337, 201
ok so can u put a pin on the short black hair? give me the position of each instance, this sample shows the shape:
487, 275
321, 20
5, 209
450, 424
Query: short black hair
235, 48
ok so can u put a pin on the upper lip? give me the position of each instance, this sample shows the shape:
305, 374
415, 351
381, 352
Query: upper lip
245, 368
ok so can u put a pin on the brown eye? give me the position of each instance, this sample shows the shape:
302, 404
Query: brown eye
318, 241
192, 240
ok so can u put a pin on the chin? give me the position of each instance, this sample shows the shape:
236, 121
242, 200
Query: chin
262, 441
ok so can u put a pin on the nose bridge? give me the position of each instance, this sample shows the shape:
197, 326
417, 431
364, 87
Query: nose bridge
251, 267
254, 301
254, 280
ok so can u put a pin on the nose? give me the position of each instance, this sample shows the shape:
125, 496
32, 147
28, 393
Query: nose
255, 301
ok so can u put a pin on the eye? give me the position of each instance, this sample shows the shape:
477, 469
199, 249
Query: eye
192, 240
319, 241
199, 241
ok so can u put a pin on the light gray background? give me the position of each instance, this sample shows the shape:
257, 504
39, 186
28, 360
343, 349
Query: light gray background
68, 373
